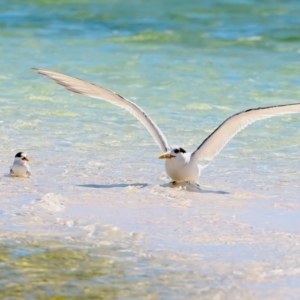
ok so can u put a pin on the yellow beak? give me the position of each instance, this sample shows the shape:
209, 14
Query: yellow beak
25, 158
166, 155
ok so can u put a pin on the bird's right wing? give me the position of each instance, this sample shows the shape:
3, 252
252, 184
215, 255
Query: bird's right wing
215, 142
88, 89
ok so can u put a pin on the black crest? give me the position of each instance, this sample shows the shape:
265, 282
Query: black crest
19, 154
179, 150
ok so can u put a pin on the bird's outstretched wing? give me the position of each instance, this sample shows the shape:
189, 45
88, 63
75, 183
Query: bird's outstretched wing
88, 89
215, 142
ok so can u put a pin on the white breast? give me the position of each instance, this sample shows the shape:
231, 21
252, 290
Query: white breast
20, 170
181, 168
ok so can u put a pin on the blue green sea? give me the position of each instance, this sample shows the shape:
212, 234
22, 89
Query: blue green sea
98, 219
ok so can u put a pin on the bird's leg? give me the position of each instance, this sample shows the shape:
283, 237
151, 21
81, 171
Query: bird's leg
193, 183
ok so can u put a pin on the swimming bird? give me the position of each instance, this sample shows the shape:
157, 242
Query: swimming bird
180, 165
20, 168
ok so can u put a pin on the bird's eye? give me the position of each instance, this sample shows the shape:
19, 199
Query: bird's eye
176, 151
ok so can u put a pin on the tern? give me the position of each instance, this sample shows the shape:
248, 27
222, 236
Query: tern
181, 166
20, 168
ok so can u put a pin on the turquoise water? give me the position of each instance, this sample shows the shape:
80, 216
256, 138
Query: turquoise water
98, 192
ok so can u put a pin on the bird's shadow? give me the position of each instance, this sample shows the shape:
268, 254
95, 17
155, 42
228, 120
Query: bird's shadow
184, 186
189, 187
114, 185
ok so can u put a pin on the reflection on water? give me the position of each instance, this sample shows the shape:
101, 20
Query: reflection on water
56, 270
43, 268
191, 187
52, 269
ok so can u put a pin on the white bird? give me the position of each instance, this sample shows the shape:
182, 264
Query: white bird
20, 168
180, 165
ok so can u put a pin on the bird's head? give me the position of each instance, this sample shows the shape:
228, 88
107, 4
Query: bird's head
21, 157
173, 152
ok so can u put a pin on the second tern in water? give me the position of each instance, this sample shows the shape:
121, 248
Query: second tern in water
20, 168
181, 166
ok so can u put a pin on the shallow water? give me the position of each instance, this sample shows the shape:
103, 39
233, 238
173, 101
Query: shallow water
98, 218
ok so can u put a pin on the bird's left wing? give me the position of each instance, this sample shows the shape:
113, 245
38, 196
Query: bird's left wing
88, 89
215, 142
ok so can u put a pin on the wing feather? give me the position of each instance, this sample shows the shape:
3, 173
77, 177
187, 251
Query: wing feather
215, 142
91, 90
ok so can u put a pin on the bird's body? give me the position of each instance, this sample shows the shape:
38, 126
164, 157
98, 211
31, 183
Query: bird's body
182, 168
180, 165
20, 168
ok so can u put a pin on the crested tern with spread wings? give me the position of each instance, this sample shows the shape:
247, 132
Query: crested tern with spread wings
180, 165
